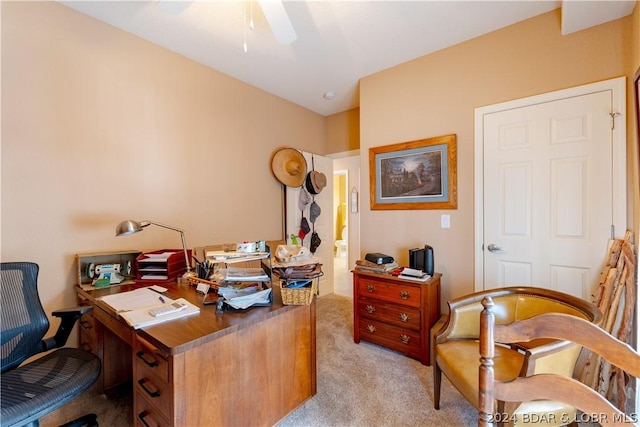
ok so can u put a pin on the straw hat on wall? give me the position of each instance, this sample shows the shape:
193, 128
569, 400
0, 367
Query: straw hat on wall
289, 167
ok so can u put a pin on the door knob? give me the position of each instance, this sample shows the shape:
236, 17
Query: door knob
494, 248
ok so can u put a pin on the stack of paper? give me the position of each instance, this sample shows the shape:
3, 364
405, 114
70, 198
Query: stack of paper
364, 265
230, 257
245, 274
244, 298
134, 300
413, 274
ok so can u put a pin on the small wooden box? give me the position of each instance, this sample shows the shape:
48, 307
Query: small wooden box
125, 258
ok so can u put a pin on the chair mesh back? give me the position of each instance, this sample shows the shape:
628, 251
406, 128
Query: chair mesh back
24, 321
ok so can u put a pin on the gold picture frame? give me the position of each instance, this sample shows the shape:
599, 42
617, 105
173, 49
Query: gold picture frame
418, 174
636, 90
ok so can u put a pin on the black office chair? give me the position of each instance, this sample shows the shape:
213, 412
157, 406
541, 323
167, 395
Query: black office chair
34, 389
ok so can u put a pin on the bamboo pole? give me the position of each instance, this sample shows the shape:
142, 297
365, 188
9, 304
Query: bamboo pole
616, 297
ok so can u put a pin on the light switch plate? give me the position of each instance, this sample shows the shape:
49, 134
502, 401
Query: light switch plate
445, 221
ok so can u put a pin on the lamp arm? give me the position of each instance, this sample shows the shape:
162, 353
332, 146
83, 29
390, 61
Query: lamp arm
146, 223
184, 247
184, 242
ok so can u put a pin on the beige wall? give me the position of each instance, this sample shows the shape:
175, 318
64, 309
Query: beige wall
632, 129
343, 131
437, 94
100, 126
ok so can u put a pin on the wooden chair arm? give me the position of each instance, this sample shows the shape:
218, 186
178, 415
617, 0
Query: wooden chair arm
565, 327
563, 389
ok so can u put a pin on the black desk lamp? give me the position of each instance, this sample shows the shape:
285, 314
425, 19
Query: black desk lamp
130, 227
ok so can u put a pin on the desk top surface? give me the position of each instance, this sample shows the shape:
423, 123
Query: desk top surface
182, 334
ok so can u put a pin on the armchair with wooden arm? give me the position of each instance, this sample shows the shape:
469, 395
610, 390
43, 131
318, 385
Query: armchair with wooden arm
550, 386
456, 347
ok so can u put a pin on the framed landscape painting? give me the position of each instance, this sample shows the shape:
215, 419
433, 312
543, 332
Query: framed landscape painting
414, 175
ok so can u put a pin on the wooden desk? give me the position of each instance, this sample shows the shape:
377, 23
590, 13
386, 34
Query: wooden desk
237, 369
395, 313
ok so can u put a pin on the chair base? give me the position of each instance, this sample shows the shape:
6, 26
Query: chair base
89, 420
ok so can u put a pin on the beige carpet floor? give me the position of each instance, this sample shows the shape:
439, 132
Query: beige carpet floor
358, 385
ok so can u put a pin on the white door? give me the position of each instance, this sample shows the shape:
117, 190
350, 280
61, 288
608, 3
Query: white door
550, 193
323, 224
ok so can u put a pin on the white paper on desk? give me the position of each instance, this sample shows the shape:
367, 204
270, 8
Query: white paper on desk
245, 274
229, 292
134, 300
154, 276
141, 317
248, 300
152, 268
161, 257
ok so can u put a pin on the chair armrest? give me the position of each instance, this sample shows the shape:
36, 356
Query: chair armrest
68, 317
463, 321
555, 357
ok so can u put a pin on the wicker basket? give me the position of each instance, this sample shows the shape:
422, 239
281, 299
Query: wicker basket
298, 296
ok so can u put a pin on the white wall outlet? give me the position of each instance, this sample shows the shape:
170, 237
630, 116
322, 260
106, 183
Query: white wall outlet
445, 221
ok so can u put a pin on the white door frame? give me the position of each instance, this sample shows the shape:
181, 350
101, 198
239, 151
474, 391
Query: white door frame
617, 87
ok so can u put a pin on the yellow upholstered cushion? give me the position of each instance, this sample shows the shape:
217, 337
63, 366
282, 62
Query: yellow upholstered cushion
460, 362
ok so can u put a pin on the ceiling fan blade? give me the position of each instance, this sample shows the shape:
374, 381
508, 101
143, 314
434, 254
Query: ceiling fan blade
278, 20
174, 7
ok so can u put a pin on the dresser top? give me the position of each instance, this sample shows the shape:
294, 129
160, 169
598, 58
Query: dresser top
433, 279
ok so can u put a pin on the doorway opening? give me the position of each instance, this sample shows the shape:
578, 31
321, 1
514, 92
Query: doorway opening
342, 279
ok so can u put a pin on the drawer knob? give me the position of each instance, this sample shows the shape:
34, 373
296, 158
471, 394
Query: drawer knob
86, 347
150, 363
86, 325
404, 317
406, 339
370, 308
370, 288
152, 393
371, 328
405, 294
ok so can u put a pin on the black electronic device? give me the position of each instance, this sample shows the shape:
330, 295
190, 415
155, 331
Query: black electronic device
378, 258
422, 259
428, 260
416, 259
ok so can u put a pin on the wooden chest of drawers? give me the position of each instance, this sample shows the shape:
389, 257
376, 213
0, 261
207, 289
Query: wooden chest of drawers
395, 313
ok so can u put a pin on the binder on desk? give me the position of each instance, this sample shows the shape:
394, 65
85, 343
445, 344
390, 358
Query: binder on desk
134, 306
141, 318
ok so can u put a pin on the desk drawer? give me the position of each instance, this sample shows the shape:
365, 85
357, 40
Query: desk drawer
399, 339
157, 394
148, 415
89, 341
399, 315
119, 328
151, 361
88, 335
393, 292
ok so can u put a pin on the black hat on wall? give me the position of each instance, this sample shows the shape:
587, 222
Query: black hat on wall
315, 182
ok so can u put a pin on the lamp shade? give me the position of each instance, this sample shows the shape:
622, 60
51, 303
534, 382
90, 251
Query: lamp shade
128, 227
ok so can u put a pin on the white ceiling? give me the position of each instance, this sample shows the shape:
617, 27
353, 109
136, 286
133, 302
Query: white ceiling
338, 42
